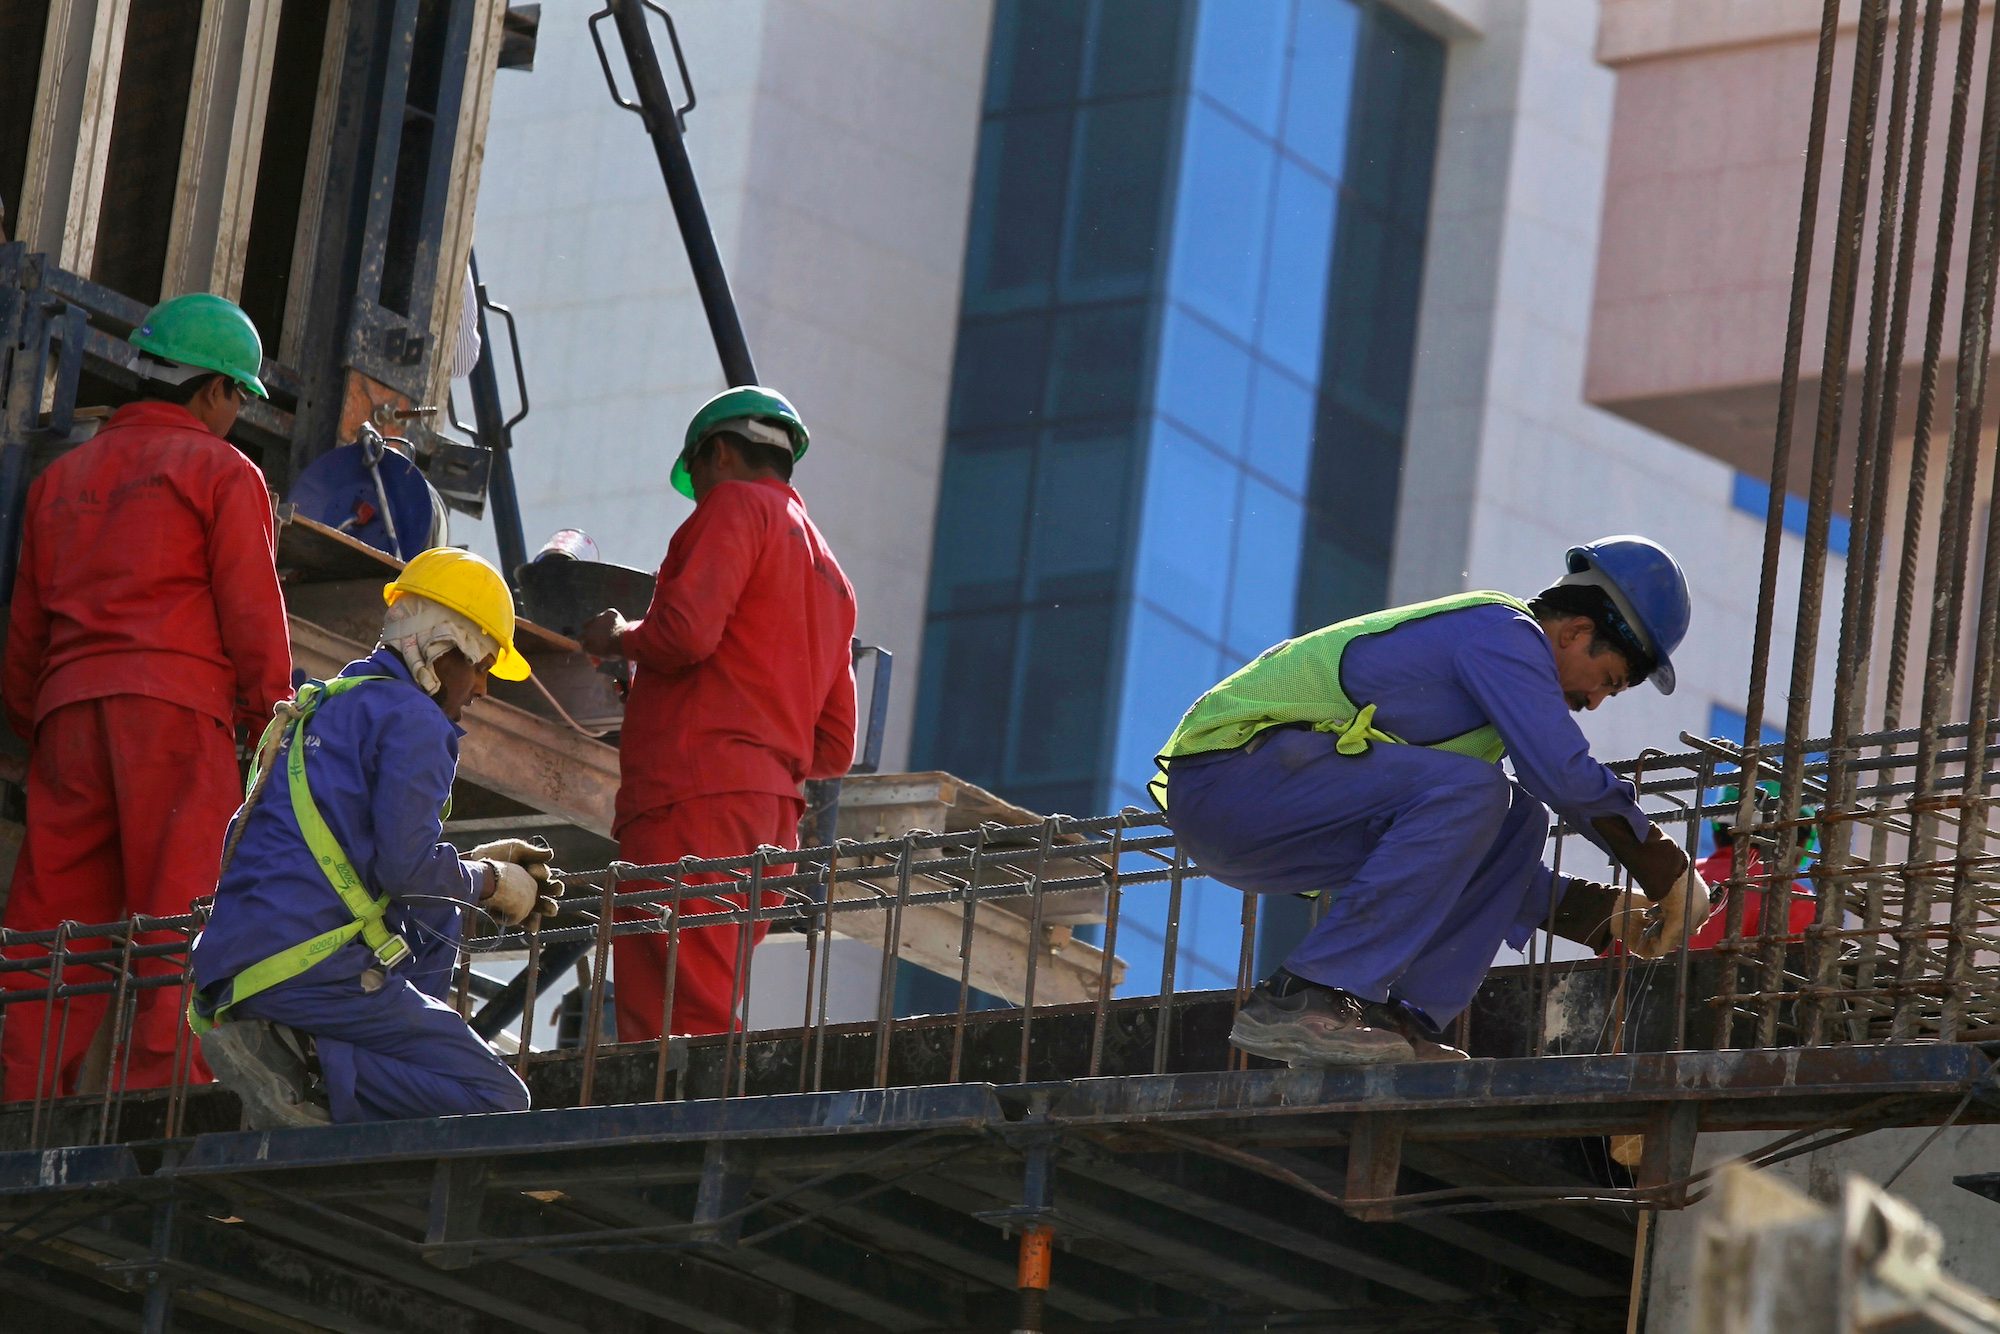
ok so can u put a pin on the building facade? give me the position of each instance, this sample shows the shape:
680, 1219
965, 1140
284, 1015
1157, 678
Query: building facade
1134, 335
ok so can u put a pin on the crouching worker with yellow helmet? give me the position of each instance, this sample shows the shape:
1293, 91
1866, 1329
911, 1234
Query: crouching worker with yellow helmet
320, 979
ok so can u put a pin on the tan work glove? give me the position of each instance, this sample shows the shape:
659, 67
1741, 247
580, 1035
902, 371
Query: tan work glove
518, 895
1656, 930
516, 850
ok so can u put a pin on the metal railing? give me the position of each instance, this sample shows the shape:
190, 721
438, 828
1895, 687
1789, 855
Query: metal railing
1903, 947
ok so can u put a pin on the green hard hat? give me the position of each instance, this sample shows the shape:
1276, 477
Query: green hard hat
747, 402
208, 332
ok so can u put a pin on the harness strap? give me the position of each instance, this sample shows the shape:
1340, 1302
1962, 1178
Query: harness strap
389, 948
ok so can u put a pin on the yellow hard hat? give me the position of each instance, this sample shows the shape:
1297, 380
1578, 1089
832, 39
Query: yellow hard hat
470, 586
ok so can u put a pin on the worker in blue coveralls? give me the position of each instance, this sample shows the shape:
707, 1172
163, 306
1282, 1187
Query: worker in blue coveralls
1362, 761
321, 976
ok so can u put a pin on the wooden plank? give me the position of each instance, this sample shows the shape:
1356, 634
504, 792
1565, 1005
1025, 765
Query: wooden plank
1068, 972
468, 157
312, 195
541, 764
70, 141
221, 149
879, 806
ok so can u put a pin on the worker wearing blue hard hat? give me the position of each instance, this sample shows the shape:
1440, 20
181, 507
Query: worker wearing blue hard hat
1361, 761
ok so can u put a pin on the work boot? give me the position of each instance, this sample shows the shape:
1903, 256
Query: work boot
267, 1066
1290, 1019
1424, 1037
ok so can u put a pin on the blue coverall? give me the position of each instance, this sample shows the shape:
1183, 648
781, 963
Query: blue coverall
1430, 859
380, 759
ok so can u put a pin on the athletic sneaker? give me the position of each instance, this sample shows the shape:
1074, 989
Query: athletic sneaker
1290, 1019
1424, 1037
267, 1066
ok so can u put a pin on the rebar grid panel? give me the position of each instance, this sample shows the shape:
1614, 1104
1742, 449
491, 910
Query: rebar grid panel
1906, 964
1902, 945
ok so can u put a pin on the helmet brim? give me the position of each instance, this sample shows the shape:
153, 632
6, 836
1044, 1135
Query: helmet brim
682, 480
510, 665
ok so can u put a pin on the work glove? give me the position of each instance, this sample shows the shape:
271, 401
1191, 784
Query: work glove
519, 895
516, 850
1658, 864
1584, 913
1652, 931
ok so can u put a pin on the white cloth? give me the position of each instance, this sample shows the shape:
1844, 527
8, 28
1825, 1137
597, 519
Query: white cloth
467, 337
423, 631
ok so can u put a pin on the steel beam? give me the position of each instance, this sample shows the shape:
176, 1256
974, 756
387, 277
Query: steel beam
1273, 1218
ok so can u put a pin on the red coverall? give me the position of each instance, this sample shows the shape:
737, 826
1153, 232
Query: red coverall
1715, 868
743, 687
146, 624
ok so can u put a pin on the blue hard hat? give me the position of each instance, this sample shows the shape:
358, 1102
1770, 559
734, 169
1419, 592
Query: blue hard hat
1646, 588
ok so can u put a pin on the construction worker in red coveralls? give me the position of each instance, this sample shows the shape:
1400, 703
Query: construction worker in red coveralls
146, 627
743, 689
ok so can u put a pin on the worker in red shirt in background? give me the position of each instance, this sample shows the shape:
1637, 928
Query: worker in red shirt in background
1719, 865
743, 689
146, 627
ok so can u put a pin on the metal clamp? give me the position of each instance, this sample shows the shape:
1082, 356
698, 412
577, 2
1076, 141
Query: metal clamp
680, 60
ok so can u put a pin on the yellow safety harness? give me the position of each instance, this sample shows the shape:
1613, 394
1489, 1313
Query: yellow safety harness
389, 948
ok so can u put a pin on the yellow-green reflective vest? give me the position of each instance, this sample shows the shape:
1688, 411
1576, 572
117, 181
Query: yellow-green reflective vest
1299, 681
390, 949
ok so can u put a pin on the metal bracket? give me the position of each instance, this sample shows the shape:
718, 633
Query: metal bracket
1667, 1160
458, 1192
680, 60
726, 1176
68, 325
1374, 1161
1039, 1144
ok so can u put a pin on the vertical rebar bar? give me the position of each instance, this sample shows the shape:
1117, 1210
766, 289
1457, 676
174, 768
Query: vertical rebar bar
1108, 955
965, 953
663, 1056
600, 967
892, 938
1962, 468
1889, 309
1788, 388
1169, 960
1032, 963
1849, 224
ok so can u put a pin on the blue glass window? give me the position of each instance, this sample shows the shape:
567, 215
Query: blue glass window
1059, 715
1097, 360
1037, 53
1204, 380
996, 378
1357, 479
1280, 438
1017, 210
1135, 47
1335, 581
1393, 142
1292, 331
965, 696
1372, 329
1189, 507
1321, 87
1168, 667
1221, 219
982, 511
1240, 57
1077, 547
1120, 178
1264, 578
